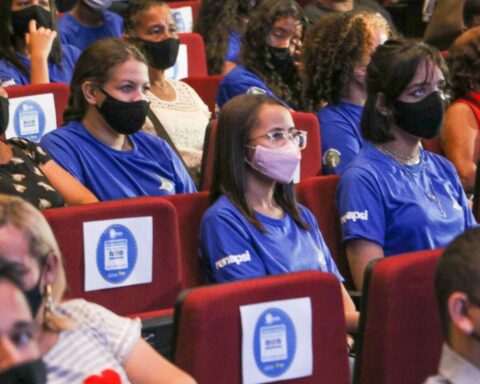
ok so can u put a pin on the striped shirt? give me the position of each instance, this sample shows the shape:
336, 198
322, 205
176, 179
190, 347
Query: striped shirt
98, 346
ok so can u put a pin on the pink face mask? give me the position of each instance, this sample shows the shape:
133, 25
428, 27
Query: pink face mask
279, 164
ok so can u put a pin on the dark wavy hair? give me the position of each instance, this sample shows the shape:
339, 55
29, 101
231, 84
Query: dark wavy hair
238, 117
331, 50
255, 55
471, 8
393, 65
464, 62
96, 64
11, 44
216, 19
134, 8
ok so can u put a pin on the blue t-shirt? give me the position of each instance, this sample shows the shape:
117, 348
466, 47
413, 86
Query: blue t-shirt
240, 80
340, 134
11, 75
151, 168
402, 208
75, 33
232, 249
233, 48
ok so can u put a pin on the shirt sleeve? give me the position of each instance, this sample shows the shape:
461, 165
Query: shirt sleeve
119, 334
10, 75
362, 215
63, 154
33, 151
226, 250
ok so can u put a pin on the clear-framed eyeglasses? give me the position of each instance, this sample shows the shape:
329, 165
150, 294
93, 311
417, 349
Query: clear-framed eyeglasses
278, 138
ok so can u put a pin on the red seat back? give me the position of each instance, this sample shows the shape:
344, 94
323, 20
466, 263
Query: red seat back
319, 195
61, 93
206, 87
197, 59
208, 328
433, 145
67, 225
402, 334
194, 4
190, 209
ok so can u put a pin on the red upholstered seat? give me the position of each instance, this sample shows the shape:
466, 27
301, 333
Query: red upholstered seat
194, 4
67, 224
207, 88
197, 60
190, 209
319, 195
402, 334
207, 326
61, 93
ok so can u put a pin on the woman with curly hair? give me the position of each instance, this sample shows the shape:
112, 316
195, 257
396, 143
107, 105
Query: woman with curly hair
460, 137
269, 47
221, 24
337, 50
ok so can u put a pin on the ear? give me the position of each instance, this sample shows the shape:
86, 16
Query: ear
458, 311
90, 90
50, 270
380, 104
359, 72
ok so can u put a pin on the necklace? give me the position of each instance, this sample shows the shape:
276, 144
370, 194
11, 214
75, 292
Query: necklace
429, 191
400, 157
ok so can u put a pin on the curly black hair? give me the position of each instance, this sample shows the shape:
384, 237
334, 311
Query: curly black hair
333, 47
463, 61
256, 57
216, 19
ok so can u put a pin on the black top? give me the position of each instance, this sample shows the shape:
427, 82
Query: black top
21, 176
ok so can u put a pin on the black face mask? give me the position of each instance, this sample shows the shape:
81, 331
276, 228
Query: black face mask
32, 372
124, 117
282, 61
161, 54
21, 19
3, 114
34, 298
423, 118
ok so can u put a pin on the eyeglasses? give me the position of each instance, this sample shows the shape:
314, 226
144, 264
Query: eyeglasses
278, 138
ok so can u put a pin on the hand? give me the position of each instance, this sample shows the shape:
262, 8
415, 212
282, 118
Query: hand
39, 41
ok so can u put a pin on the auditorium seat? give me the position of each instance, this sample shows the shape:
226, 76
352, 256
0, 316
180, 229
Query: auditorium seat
194, 4
67, 224
319, 195
207, 326
207, 88
60, 91
197, 59
400, 321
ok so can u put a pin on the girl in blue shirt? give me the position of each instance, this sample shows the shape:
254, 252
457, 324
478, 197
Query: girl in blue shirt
30, 52
394, 197
254, 227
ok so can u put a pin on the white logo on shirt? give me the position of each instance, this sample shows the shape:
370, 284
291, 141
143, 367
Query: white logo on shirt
233, 259
354, 216
165, 184
456, 206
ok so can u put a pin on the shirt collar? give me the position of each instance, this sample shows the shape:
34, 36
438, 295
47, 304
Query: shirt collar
456, 369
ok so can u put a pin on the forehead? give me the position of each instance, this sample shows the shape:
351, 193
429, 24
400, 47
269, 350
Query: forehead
427, 73
272, 116
14, 245
158, 14
132, 70
14, 306
286, 23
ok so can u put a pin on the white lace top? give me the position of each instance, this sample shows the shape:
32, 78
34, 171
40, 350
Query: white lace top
185, 119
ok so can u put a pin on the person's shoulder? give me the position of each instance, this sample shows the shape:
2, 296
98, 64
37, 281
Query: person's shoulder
71, 53
222, 209
73, 129
66, 19
112, 16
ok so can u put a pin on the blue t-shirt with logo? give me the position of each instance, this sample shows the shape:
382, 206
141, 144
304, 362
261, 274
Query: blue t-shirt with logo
232, 249
240, 80
150, 168
402, 208
11, 75
75, 33
340, 134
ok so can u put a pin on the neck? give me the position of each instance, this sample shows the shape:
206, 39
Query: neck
357, 94
404, 149
343, 6
466, 346
260, 191
86, 15
98, 128
157, 76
